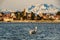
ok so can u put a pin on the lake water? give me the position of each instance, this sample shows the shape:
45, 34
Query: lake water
20, 31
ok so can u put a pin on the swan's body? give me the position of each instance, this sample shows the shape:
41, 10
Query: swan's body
33, 31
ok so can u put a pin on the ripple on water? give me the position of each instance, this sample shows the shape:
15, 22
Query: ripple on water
20, 31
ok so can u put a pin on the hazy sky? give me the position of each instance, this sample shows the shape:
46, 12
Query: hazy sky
21, 4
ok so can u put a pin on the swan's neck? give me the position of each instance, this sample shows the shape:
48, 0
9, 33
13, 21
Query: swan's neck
35, 29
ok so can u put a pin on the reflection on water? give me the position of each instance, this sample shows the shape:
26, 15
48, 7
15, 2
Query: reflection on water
20, 31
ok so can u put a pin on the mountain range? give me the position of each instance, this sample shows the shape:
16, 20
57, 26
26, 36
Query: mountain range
43, 8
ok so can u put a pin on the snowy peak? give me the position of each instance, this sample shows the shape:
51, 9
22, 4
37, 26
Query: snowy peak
31, 7
44, 8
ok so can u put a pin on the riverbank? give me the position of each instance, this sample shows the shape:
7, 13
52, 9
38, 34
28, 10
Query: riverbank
33, 21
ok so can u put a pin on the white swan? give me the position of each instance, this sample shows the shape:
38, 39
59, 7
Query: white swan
33, 31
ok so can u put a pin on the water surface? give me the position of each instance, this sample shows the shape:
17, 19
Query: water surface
20, 31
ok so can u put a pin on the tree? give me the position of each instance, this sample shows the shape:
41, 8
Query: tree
17, 14
32, 15
58, 13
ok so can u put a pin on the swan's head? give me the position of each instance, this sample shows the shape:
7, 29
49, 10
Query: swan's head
36, 28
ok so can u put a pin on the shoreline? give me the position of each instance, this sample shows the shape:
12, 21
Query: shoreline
33, 21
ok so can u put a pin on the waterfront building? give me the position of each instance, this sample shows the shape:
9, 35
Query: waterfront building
40, 14
57, 17
13, 15
45, 16
6, 19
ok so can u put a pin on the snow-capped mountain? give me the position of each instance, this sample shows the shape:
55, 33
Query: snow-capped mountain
43, 8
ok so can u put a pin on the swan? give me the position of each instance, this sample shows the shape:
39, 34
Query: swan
33, 31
